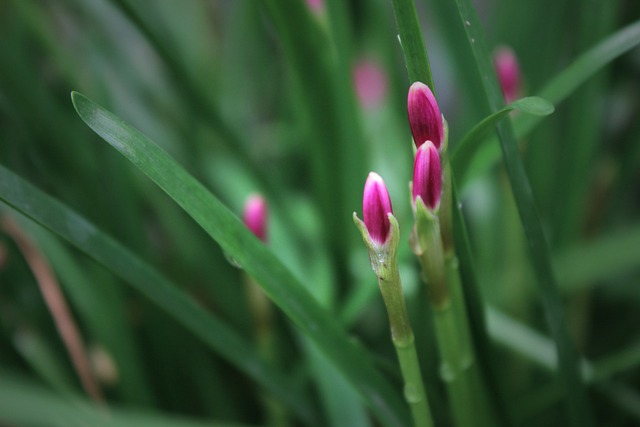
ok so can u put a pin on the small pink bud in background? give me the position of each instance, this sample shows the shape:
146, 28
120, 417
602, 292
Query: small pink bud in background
376, 205
255, 216
427, 175
370, 81
316, 5
424, 115
508, 72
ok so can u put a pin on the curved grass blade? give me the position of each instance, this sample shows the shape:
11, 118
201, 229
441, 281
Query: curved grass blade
556, 91
577, 405
249, 253
64, 222
470, 143
19, 398
602, 258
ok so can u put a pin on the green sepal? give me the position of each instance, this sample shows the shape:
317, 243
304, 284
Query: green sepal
382, 255
445, 136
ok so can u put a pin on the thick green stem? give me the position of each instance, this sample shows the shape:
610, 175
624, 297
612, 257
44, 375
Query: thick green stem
402, 337
384, 261
440, 271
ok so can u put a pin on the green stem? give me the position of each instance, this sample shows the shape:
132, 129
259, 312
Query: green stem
262, 312
403, 340
384, 262
440, 271
412, 41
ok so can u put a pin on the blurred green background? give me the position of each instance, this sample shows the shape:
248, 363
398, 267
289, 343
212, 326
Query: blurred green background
299, 105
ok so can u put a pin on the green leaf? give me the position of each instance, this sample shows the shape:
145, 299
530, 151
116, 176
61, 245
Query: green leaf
556, 91
277, 282
602, 258
64, 222
412, 42
27, 404
470, 143
577, 405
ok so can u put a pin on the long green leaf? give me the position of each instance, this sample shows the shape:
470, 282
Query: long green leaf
277, 282
64, 222
577, 405
602, 258
531, 105
468, 163
27, 404
412, 41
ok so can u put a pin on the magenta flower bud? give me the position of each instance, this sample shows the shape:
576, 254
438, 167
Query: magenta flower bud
255, 216
425, 118
370, 81
427, 175
376, 207
508, 72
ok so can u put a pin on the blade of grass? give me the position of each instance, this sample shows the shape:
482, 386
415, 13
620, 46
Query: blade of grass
577, 406
99, 306
584, 264
475, 160
531, 105
57, 218
42, 358
249, 253
203, 107
19, 397
334, 141
476, 313
412, 42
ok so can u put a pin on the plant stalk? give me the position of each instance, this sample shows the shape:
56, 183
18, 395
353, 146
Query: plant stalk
403, 340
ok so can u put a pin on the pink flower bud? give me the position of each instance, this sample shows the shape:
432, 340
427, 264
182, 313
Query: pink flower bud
255, 216
316, 5
371, 83
376, 205
427, 175
508, 73
424, 115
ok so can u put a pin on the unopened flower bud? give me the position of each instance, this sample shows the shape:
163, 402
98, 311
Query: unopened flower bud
371, 83
508, 72
425, 118
376, 207
255, 216
427, 175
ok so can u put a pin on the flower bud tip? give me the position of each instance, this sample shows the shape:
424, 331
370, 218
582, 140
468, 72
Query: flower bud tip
508, 72
425, 118
376, 207
255, 216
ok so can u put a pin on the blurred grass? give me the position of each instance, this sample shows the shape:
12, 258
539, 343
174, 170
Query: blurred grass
259, 96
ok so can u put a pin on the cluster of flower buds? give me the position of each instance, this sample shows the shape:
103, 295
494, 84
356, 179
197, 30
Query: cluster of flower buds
427, 127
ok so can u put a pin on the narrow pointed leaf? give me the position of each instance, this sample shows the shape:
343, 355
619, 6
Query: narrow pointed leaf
19, 399
226, 229
64, 222
472, 141
577, 406
556, 91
